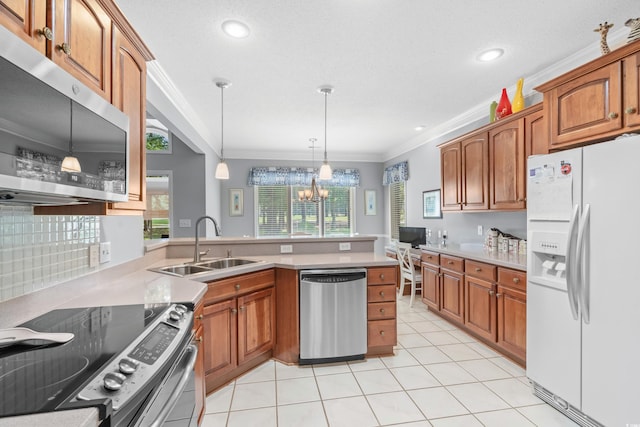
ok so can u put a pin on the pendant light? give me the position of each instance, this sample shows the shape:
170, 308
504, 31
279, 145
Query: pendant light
222, 170
70, 163
315, 193
325, 170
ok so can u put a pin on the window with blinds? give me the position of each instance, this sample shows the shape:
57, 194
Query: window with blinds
272, 211
398, 207
280, 213
338, 211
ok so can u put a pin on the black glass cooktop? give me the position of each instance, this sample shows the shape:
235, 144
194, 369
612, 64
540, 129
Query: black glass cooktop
38, 377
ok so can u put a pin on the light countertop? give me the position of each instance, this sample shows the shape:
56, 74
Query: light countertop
476, 252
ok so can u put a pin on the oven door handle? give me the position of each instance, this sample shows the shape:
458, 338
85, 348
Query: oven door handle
192, 354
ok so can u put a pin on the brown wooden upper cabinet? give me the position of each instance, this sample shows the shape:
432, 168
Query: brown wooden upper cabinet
28, 20
507, 186
596, 101
75, 34
486, 169
465, 175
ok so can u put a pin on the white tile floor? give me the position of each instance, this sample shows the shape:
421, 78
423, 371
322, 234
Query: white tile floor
439, 376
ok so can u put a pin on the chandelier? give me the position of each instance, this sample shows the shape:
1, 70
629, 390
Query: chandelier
315, 193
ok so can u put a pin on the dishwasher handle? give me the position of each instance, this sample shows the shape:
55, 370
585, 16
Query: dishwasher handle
333, 276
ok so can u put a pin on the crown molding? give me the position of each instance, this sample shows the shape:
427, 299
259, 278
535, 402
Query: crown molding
479, 112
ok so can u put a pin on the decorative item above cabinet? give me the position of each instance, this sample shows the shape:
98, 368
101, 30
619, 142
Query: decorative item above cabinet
595, 102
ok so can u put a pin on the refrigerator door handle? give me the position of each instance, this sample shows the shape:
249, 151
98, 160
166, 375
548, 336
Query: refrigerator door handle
572, 265
583, 260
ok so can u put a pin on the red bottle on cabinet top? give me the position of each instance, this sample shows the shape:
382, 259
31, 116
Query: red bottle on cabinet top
504, 106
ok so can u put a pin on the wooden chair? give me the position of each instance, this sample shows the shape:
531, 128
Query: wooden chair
407, 271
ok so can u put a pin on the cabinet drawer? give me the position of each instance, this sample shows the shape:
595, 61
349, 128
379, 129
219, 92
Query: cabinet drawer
381, 332
512, 278
381, 293
430, 257
480, 270
381, 310
238, 285
452, 263
381, 275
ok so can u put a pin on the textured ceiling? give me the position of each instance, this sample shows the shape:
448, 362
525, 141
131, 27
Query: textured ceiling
394, 64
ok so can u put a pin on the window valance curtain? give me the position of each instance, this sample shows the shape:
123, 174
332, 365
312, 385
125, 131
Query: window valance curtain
302, 176
396, 173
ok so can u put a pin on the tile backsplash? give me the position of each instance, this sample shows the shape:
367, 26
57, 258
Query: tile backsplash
38, 251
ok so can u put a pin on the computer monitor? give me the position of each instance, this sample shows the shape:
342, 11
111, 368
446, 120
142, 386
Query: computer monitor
414, 235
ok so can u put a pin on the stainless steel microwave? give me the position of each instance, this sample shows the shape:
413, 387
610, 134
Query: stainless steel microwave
48, 117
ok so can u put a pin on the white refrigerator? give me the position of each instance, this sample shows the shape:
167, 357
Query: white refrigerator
583, 290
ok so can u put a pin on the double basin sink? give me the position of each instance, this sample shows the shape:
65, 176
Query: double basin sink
182, 270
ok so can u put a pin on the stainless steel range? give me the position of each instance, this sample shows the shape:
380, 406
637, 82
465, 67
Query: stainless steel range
132, 362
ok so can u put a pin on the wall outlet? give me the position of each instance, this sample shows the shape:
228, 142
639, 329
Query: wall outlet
480, 230
184, 223
105, 252
286, 249
345, 246
94, 256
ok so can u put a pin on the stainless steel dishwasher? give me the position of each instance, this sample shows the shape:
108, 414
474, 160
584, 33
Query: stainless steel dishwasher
333, 315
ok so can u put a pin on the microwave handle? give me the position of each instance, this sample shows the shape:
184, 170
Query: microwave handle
191, 353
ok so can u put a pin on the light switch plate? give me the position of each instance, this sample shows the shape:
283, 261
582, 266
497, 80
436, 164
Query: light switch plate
105, 252
286, 249
479, 230
184, 223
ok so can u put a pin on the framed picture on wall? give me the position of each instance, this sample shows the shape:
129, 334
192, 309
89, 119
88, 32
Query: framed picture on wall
236, 202
370, 207
431, 204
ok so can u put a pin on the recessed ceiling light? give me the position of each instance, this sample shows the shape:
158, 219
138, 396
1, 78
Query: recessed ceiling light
236, 29
419, 128
490, 55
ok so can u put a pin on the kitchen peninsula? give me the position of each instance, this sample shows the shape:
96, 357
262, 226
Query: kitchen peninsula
272, 280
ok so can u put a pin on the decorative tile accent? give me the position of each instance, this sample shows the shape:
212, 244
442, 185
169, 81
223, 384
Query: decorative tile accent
38, 251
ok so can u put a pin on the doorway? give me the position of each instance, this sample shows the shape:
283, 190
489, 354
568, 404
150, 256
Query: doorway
158, 216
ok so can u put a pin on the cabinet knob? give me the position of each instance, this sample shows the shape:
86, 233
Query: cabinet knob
491, 293
498, 295
199, 339
200, 317
516, 280
241, 308
234, 311
613, 115
237, 286
65, 48
631, 110
381, 293
381, 332
449, 262
46, 32
382, 310
478, 269
381, 276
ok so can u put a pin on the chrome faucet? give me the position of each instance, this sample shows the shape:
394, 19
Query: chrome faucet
196, 253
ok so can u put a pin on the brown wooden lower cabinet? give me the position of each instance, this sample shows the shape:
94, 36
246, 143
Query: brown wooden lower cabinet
480, 307
381, 310
487, 301
240, 331
452, 295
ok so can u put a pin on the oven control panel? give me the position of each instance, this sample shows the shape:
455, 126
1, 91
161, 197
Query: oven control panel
142, 360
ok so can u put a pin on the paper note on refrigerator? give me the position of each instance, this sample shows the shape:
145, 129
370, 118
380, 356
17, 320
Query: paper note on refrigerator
550, 192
